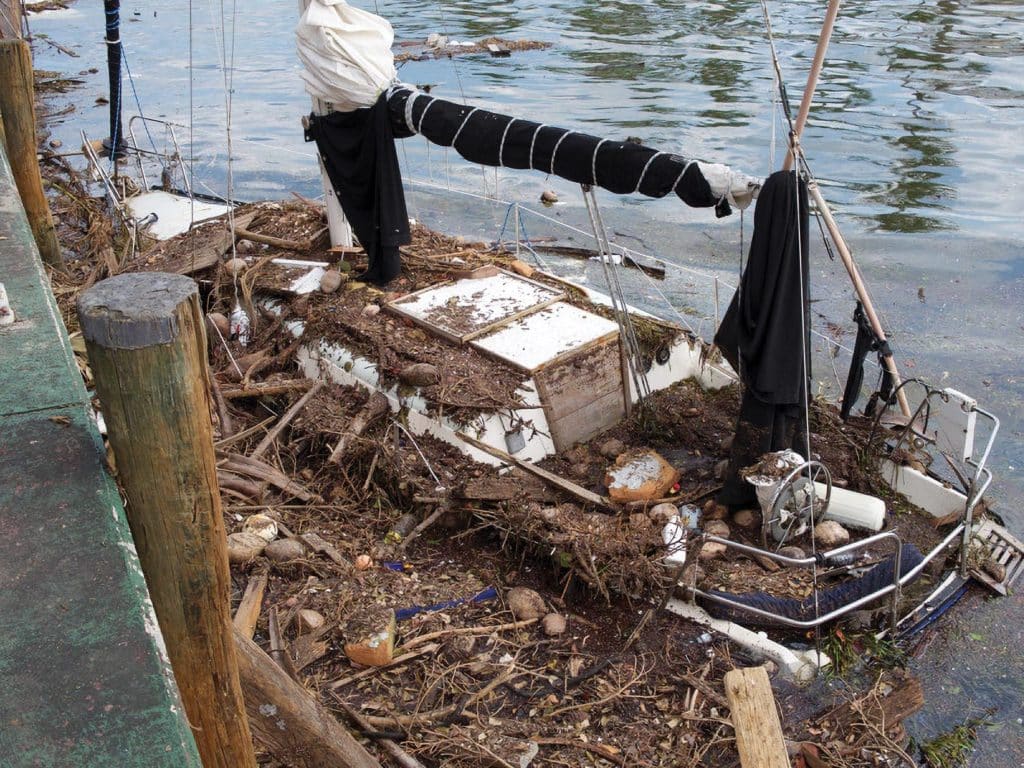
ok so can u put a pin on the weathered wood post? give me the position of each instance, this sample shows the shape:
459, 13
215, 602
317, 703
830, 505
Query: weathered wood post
19, 118
759, 738
146, 343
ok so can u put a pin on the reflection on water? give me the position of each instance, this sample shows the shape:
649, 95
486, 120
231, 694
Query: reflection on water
919, 111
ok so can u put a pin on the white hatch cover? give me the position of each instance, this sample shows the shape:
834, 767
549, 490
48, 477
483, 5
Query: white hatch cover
465, 309
535, 341
167, 215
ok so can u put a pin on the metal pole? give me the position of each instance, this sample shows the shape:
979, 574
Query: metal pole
114, 143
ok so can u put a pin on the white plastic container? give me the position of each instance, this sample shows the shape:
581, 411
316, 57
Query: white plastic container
853, 510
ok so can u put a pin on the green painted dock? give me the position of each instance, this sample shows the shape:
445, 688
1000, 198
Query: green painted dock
84, 677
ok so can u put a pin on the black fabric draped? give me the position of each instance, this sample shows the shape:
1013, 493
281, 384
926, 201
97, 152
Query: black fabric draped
765, 334
358, 151
493, 139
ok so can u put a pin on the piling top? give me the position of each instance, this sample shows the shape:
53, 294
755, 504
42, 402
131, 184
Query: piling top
134, 310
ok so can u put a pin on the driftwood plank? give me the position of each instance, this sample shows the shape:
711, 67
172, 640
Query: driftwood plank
288, 721
756, 720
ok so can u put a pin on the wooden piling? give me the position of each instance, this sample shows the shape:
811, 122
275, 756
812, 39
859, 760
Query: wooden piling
19, 120
146, 344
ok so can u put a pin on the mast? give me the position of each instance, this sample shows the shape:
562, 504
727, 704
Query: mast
341, 230
114, 143
833, 229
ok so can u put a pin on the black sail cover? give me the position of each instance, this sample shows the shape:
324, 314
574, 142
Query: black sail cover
489, 138
765, 333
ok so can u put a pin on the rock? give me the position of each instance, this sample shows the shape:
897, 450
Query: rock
56, 143
717, 528
243, 547
262, 526
611, 449
370, 636
283, 550
794, 552
745, 518
639, 476
521, 268
370, 310
548, 197
829, 534
550, 515
236, 266
662, 513
714, 511
420, 375
300, 306
553, 624
525, 603
221, 322
309, 620
363, 562
727, 443
712, 550
330, 281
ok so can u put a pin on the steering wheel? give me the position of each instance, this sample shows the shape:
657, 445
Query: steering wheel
796, 504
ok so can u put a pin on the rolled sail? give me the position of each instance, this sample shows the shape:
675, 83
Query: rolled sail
622, 167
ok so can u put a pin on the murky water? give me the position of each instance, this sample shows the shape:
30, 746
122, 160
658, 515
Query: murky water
917, 137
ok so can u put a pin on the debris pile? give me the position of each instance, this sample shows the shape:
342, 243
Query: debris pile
464, 615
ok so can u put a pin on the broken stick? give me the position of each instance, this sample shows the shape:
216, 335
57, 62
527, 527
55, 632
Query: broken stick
262, 389
277, 242
566, 485
248, 612
375, 407
285, 420
403, 758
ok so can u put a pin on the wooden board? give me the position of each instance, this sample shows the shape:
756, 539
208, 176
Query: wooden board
547, 336
582, 393
464, 309
759, 737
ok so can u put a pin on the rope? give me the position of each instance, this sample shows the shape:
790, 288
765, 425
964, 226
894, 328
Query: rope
534, 141
138, 104
554, 152
644, 171
501, 149
461, 126
593, 162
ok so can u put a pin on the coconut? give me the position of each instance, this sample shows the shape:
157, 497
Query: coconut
525, 603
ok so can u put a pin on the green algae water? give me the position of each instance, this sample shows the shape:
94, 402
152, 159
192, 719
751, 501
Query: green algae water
916, 137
